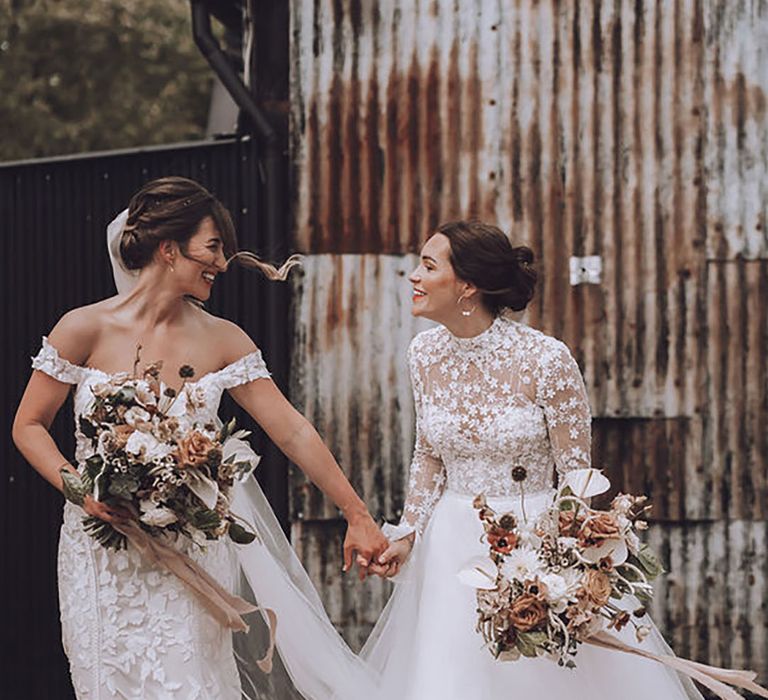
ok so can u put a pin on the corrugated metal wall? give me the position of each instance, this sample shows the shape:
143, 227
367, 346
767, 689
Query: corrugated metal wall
630, 129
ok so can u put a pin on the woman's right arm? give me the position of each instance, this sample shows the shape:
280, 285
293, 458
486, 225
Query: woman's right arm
42, 399
426, 483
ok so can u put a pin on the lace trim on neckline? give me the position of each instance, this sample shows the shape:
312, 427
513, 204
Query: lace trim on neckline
71, 373
480, 340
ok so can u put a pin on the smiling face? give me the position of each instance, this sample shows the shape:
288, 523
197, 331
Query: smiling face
199, 260
436, 288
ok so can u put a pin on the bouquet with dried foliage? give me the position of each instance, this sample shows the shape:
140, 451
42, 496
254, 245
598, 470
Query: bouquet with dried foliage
172, 474
551, 583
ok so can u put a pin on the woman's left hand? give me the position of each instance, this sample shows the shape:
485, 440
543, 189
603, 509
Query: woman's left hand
365, 538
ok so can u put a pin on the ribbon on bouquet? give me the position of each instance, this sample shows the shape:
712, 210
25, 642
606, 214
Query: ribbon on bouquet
223, 605
712, 677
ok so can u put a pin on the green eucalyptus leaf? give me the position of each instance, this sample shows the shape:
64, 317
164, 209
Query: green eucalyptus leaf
644, 598
238, 534
649, 562
123, 486
101, 484
226, 430
205, 519
94, 465
525, 644
74, 489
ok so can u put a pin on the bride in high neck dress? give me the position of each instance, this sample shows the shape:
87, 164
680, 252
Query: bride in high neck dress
491, 395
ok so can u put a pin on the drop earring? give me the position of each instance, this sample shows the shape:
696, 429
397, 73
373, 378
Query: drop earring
465, 312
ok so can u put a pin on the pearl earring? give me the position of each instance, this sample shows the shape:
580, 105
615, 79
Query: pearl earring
465, 312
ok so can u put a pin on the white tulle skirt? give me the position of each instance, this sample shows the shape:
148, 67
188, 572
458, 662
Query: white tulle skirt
425, 646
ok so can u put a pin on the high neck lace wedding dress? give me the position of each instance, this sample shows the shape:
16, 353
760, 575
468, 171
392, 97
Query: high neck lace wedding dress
509, 397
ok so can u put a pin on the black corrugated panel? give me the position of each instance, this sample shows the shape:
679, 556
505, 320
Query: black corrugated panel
53, 215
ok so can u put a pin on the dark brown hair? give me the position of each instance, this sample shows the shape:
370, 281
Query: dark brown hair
483, 255
172, 208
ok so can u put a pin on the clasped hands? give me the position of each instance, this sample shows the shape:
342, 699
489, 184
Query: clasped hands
374, 553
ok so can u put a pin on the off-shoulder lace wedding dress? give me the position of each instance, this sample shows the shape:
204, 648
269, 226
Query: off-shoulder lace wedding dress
130, 630
509, 397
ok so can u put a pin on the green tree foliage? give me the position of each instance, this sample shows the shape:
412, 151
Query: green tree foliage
89, 75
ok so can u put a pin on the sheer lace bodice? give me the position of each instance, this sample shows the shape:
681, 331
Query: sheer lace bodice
509, 397
131, 630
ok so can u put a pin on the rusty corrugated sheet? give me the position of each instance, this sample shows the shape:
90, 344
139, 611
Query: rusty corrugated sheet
645, 455
635, 131
736, 400
350, 375
712, 603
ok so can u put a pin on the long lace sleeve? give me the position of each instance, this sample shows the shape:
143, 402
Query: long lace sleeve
561, 393
426, 480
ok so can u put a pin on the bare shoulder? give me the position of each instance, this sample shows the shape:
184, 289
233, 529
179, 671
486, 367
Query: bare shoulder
232, 340
76, 333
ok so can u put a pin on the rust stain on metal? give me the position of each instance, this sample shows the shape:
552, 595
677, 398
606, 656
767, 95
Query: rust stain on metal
635, 131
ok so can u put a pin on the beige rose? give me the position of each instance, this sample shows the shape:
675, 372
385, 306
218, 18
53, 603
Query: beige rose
193, 450
568, 523
597, 586
527, 612
121, 434
602, 526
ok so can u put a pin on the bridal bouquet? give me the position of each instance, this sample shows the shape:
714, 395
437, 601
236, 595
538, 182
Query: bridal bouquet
172, 474
550, 584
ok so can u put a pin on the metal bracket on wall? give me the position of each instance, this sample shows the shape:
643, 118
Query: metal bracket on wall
586, 270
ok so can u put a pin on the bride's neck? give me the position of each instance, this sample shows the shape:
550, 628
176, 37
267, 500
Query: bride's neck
151, 305
469, 326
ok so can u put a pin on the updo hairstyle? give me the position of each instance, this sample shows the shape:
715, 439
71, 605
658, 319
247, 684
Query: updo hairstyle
172, 208
482, 255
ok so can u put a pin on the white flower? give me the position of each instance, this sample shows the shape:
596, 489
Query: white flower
147, 447
522, 564
528, 537
135, 415
616, 549
480, 573
633, 542
145, 397
155, 515
641, 632
197, 536
561, 588
623, 503
206, 489
234, 450
585, 483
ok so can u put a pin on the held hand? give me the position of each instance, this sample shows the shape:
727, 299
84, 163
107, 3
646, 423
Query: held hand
393, 558
103, 511
363, 537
